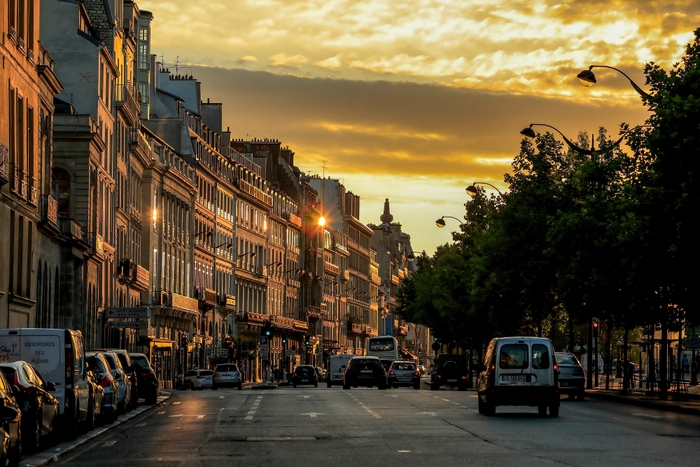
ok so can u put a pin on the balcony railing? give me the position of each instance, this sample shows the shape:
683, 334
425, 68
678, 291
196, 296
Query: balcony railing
4, 164
49, 210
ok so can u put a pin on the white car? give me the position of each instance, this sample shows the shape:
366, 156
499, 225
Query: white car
199, 379
227, 374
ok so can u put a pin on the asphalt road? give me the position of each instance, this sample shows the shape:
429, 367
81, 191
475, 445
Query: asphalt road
403, 427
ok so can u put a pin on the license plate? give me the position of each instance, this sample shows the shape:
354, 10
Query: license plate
304, 380
520, 378
365, 371
404, 379
452, 380
563, 383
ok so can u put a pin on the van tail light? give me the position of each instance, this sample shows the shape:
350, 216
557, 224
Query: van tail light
69, 364
556, 367
493, 367
464, 376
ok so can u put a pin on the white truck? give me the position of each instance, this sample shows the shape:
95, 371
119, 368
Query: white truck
336, 368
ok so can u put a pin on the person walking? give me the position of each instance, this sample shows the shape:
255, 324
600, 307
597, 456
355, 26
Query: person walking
685, 364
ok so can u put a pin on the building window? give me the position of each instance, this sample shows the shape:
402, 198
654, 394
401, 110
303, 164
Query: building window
61, 190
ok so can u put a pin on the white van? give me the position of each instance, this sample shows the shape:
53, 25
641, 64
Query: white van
519, 371
336, 368
59, 355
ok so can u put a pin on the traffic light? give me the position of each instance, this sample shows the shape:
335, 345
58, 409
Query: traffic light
306, 339
183, 339
267, 330
284, 339
435, 339
595, 326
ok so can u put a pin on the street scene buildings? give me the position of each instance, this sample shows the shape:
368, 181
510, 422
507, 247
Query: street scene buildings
132, 213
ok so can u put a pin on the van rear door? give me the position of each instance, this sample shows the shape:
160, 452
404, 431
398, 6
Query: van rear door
514, 364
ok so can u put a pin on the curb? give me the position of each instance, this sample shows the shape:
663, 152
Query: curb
53, 453
691, 407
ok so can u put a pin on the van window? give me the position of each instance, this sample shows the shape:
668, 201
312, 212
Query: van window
513, 356
540, 357
78, 354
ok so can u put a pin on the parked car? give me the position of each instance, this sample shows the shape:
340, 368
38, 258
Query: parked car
124, 384
572, 378
103, 374
450, 370
39, 407
305, 374
421, 369
227, 374
97, 395
60, 357
403, 374
128, 368
198, 379
519, 371
147, 381
11, 419
364, 371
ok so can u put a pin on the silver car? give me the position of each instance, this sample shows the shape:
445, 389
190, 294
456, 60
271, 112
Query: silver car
198, 379
123, 398
227, 375
403, 374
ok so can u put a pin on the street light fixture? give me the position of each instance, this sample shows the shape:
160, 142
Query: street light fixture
441, 222
530, 133
587, 79
472, 191
228, 246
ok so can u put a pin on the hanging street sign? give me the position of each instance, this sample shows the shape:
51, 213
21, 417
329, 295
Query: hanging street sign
126, 312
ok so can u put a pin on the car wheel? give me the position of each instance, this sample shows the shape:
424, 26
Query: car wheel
486, 408
328, 385
346, 386
121, 407
316, 385
152, 398
434, 387
582, 395
294, 385
214, 387
542, 409
382, 387
554, 410
192, 388
416, 386
240, 386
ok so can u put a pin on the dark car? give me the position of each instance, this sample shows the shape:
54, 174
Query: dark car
103, 374
403, 374
96, 411
11, 419
40, 410
572, 378
450, 370
305, 374
128, 367
147, 381
364, 371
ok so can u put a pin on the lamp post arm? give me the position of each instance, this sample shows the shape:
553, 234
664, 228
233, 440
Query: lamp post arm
452, 217
486, 183
639, 90
568, 142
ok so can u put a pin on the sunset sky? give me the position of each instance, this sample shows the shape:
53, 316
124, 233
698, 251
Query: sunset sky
413, 100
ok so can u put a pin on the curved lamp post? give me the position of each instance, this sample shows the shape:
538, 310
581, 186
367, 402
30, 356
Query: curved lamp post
441, 222
587, 78
472, 191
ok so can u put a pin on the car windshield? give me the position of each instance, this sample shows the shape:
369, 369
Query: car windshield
513, 356
404, 366
141, 360
206, 373
226, 368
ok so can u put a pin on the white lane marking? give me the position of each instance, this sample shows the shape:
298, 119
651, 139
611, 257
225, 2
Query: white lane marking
110, 443
161, 413
140, 424
404, 450
427, 413
200, 416
249, 417
221, 397
176, 403
312, 414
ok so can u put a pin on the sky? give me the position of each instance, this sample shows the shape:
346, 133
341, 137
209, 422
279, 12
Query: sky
414, 100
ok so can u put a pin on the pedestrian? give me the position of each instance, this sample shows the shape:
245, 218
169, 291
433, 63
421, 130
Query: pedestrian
685, 364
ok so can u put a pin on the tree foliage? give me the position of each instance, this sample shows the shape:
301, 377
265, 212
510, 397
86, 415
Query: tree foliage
578, 234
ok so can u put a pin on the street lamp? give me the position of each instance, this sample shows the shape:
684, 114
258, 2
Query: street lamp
226, 244
587, 79
472, 191
530, 133
441, 222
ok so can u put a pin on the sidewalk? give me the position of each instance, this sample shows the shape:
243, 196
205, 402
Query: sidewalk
687, 403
